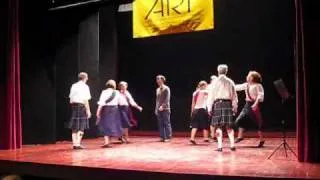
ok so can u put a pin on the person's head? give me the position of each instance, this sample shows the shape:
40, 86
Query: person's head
160, 80
202, 85
213, 78
123, 86
83, 76
111, 84
254, 77
222, 69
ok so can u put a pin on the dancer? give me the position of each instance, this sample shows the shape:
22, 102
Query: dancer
108, 113
225, 101
199, 112
212, 128
162, 110
79, 100
125, 101
254, 97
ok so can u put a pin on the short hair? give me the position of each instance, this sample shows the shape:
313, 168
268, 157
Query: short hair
11, 177
222, 69
202, 83
256, 77
111, 84
82, 75
161, 77
123, 83
213, 77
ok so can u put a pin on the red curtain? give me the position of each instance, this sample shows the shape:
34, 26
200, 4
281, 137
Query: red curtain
305, 144
11, 133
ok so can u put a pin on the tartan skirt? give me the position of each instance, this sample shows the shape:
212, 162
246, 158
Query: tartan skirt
222, 114
200, 119
79, 120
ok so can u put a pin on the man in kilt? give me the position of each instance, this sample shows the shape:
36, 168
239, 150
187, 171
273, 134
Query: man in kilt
79, 100
222, 106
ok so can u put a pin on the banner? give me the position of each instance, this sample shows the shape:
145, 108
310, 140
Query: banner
158, 17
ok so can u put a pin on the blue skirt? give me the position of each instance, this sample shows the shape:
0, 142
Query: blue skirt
110, 121
125, 116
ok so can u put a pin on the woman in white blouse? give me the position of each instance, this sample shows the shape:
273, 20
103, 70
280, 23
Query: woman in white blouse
108, 113
199, 112
126, 101
254, 97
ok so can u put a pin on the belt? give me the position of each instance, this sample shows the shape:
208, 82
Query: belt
222, 100
78, 104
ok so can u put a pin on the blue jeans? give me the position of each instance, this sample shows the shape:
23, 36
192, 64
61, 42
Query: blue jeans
164, 124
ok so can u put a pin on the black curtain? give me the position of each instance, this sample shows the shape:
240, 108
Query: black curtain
248, 35
307, 54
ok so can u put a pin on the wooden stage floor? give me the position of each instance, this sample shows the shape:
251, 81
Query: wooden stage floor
148, 158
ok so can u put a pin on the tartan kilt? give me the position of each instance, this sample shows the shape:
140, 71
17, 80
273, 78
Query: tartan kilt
79, 120
222, 114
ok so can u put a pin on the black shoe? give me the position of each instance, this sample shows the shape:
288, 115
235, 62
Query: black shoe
161, 140
219, 149
261, 143
238, 140
206, 140
233, 148
78, 147
106, 146
121, 139
193, 142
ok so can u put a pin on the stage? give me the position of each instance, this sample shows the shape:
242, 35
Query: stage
148, 158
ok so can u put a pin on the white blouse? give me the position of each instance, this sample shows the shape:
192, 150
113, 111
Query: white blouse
256, 91
126, 99
201, 99
106, 94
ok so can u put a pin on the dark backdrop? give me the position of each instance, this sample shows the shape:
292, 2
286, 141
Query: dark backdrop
248, 35
57, 45
3, 48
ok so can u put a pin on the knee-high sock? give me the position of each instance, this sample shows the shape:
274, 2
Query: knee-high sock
231, 136
80, 135
74, 138
219, 137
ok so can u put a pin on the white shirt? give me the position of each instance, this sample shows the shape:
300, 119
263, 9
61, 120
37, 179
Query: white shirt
125, 99
256, 91
106, 94
200, 99
223, 88
79, 92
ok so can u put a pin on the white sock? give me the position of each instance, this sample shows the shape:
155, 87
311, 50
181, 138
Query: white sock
231, 137
79, 135
74, 139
